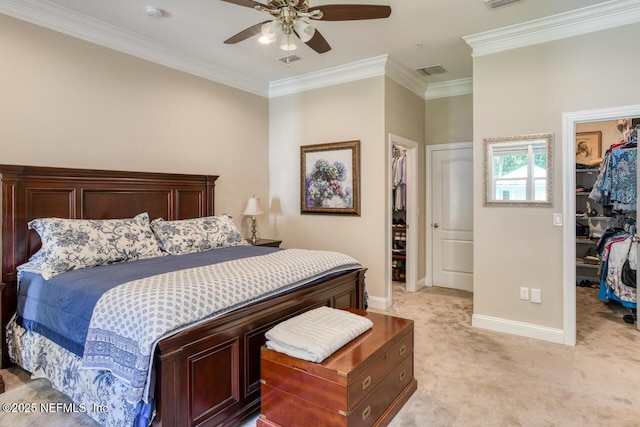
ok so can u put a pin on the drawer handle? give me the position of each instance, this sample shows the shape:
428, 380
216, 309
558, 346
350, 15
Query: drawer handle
366, 383
366, 413
403, 374
403, 349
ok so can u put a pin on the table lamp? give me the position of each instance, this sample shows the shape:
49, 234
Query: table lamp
253, 208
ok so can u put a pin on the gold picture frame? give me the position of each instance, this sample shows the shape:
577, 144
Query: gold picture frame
588, 146
330, 178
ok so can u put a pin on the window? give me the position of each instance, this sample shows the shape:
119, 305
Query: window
518, 170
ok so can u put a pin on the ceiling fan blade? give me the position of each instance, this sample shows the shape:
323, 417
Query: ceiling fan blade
247, 3
245, 34
352, 12
318, 43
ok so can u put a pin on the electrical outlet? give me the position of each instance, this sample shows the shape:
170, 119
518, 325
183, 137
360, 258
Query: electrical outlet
536, 296
524, 293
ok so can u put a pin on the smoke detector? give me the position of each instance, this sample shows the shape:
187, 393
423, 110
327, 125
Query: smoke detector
494, 4
154, 12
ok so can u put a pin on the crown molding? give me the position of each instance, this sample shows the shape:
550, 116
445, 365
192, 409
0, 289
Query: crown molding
611, 14
54, 17
382, 65
405, 77
449, 88
358, 70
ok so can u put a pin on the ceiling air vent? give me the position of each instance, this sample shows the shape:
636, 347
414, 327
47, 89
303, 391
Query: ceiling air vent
433, 69
493, 4
289, 59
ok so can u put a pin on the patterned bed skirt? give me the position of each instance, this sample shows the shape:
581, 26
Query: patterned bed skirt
96, 392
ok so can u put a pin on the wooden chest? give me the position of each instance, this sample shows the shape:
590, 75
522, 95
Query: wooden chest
365, 383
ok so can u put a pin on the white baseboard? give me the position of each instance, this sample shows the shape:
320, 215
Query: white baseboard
379, 303
518, 328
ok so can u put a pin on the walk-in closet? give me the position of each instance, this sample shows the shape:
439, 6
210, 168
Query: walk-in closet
399, 213
606, 205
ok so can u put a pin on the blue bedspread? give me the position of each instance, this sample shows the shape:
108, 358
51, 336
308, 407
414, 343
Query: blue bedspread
61, 308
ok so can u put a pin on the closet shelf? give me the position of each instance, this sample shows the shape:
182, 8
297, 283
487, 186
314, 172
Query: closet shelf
580, 263
585, 241
587, 170
596, 218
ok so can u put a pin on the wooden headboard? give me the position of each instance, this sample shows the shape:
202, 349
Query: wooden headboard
30, 192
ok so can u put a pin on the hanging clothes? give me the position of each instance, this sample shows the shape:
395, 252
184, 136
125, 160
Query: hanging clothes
617, 180
616, 187
399, 177
611, 285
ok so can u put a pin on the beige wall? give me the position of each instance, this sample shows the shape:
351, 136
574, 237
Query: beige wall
526, 91
345, 112
69, 103
449, 120
405, 117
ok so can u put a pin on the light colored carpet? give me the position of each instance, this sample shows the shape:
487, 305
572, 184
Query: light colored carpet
471, 377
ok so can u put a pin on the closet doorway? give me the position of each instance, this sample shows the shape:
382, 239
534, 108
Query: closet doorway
402, 236
571, 123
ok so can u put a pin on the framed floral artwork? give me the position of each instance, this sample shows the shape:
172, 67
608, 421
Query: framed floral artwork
330, 178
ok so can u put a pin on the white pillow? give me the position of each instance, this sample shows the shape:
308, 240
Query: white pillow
197, 234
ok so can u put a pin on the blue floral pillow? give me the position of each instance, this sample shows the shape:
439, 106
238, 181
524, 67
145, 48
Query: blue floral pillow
197, 235
72, 244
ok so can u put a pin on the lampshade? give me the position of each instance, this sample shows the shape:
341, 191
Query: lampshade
253, 207
287, 43
304, 29
270, 32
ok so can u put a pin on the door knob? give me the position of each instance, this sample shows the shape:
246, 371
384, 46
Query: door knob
436, 225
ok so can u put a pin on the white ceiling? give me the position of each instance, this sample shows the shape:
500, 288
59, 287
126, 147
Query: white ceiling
418, 33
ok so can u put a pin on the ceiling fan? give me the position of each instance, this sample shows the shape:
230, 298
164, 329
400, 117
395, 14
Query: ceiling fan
289, 21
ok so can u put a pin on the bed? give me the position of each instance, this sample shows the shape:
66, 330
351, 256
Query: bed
206, 374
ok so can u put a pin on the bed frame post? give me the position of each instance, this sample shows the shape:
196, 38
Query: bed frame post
8, 294
211, 189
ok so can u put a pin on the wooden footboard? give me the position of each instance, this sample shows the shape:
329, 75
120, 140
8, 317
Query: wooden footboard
210, 375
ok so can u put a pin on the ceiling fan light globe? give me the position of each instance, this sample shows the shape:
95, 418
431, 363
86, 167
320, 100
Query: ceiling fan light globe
304, 30
287, 45
270, 32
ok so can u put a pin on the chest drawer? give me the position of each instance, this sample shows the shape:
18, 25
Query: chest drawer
356, 386
375, 403
279, 408
371, 377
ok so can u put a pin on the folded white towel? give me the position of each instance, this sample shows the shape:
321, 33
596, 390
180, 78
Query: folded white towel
316, 334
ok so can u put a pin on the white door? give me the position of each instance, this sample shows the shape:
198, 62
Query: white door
451, 184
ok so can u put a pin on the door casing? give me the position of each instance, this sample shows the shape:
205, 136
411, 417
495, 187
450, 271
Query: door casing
411, 278
569, 121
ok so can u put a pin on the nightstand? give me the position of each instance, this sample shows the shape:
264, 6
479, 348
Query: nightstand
266, 242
